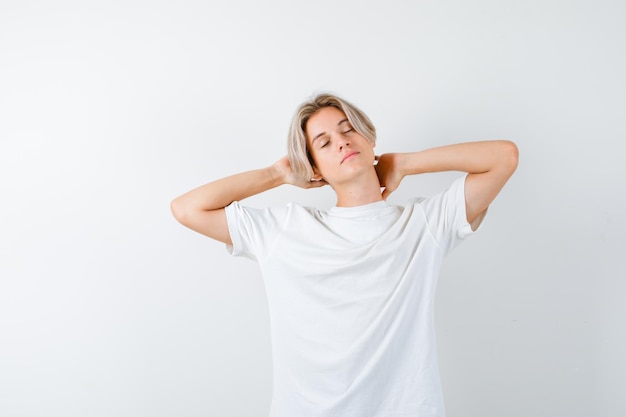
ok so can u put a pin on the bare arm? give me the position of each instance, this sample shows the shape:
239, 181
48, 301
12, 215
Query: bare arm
202, 209
489, 163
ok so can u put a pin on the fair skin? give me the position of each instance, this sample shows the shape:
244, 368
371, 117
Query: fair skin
345, 160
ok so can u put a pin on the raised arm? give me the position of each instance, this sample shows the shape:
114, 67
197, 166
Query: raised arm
489, 164
202, 209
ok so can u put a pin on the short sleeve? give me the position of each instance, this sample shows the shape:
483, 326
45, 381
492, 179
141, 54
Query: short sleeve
253, 231
447, 218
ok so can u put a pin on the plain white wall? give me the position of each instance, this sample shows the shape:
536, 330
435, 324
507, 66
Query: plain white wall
108, 110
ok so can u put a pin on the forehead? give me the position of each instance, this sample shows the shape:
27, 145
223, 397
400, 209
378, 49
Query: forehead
323, 120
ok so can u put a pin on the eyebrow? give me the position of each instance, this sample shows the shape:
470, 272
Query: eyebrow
323, 133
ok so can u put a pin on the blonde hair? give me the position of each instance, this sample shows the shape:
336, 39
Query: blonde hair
297, 146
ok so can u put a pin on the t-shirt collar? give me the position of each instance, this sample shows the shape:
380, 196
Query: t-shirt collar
355, 211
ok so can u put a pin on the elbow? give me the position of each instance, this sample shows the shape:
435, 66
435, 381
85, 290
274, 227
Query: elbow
179, 211
510, 155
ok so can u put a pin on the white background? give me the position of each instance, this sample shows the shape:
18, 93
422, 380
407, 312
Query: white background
108, 110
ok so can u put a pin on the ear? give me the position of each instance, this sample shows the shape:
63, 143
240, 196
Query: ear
317, 176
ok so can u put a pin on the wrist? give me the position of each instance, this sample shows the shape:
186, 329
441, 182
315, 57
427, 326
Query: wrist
410, 163
402, 164
275, 174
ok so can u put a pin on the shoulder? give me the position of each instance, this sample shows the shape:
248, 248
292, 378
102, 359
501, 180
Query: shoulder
288, 210
454, 192
413, 201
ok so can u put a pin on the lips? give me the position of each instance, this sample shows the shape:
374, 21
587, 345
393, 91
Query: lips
349, 155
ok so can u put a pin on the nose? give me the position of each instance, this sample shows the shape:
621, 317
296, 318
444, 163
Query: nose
343, 142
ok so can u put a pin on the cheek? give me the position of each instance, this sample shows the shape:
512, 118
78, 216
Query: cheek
321, 164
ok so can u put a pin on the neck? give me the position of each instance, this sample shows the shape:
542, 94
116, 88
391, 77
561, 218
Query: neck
362, 190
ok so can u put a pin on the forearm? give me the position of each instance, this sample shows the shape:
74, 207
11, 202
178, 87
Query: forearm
218, 194
470, 157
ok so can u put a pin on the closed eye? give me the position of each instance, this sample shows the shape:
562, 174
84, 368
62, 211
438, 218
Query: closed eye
348, 131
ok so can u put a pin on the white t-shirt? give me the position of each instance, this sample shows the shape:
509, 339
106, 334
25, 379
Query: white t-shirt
350, 294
